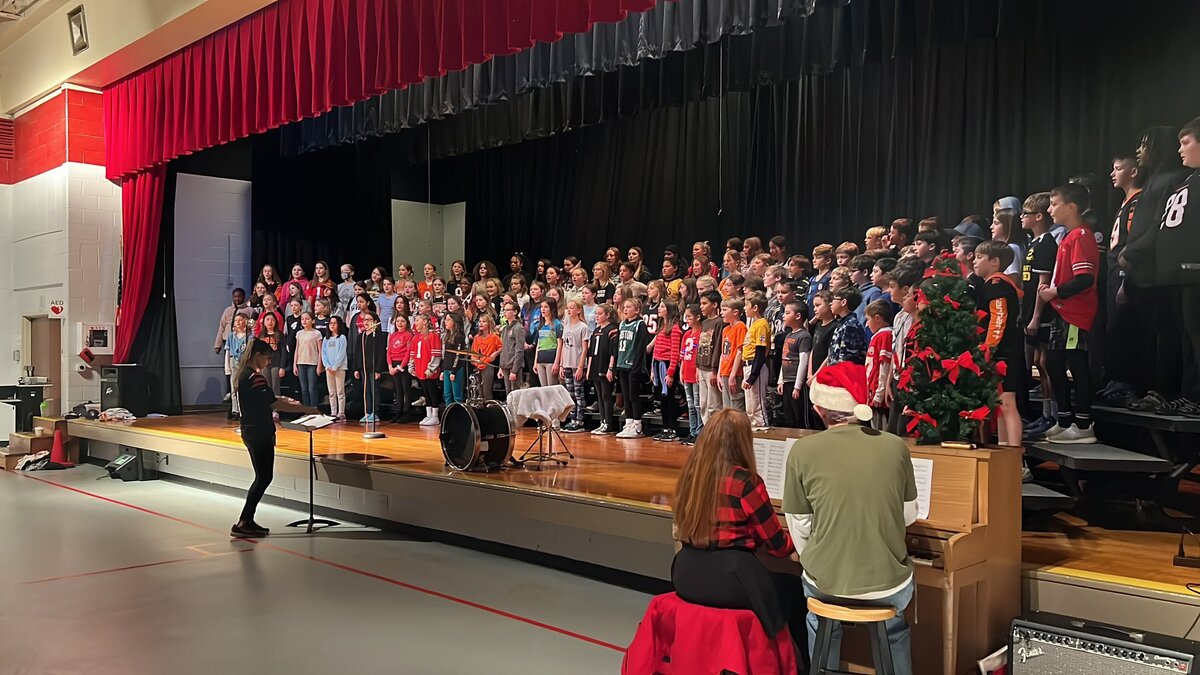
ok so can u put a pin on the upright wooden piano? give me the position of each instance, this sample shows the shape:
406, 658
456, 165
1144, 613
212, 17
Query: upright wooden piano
966, 557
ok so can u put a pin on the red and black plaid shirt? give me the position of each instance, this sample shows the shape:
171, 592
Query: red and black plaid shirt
745, 517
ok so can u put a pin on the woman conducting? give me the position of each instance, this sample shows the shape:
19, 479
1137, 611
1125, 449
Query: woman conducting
257, 430
722, 515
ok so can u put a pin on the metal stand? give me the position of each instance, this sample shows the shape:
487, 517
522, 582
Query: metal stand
545, 448
309, 522
369, 381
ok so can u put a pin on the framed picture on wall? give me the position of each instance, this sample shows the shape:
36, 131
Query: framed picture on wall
78, 27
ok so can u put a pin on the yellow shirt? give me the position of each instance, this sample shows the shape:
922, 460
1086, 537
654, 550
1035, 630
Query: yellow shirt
759, 335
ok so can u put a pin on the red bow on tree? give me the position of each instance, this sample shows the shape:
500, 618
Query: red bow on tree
953, 303
981, 314
922, 299
953, 366
905, 379
979, 414
924, 353
1001, 368
935, 272
917, 418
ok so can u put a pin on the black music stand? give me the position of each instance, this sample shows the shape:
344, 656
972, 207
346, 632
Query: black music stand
308, 424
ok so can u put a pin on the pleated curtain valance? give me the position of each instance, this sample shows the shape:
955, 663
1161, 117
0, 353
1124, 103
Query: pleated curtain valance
300, 58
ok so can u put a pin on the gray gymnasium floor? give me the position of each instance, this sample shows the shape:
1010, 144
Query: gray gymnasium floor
99, 576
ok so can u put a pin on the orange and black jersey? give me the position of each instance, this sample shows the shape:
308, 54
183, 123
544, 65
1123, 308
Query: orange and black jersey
1002, 330
1121, 225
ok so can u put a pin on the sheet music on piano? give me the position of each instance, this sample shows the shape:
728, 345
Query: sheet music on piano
923, 472
770, 456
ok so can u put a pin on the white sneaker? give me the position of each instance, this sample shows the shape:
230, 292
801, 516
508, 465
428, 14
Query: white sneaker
428, 422
1054, 431
629, 431
1073, 435
420, 402
600, 430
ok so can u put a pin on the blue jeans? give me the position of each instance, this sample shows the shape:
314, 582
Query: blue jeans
309, 394
897, 628
692, 393
452, 392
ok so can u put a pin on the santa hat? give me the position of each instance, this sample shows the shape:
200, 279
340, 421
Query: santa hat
842, 387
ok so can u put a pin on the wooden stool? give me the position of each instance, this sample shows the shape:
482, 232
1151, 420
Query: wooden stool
881, 652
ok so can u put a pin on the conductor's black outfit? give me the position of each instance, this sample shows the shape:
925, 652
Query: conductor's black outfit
258, 434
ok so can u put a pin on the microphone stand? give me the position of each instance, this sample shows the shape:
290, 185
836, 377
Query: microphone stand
369, 381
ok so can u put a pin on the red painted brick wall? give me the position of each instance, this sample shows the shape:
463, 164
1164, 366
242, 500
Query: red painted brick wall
68, 127
85, 127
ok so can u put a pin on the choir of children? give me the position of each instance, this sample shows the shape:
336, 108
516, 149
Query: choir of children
753, 333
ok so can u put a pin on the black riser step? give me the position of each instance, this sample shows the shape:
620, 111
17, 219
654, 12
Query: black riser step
1098, 457
1037, 497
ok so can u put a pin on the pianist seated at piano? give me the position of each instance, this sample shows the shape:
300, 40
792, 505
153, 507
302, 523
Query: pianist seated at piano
722, 515
849, 494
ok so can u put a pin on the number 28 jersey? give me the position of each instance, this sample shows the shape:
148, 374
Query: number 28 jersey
1178, 243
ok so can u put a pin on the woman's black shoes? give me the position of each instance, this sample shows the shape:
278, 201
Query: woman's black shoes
248, 530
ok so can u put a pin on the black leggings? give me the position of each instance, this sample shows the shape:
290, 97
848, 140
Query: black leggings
432, 390
631, 388
604, 400
262, 458
1058, 362
403, 383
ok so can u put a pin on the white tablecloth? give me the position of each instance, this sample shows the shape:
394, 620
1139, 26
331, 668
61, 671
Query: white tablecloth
545, 404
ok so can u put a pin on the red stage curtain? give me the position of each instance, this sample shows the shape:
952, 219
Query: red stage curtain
141, 213
300, 58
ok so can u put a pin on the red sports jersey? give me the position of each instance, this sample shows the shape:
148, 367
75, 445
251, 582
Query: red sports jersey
425, 348
1077, 254
879, 365
687, 356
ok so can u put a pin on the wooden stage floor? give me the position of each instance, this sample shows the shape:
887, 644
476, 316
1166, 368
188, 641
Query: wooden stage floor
641, 474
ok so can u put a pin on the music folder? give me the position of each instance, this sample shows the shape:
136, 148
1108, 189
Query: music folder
309, 423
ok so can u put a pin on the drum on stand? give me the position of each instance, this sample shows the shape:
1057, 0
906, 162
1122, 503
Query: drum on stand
477, 435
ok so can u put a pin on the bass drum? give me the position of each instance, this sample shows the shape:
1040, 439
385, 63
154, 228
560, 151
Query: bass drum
477, 436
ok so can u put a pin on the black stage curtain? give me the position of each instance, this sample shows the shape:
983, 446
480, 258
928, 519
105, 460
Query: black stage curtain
156, 346
814, 128
333, 206
942, 131
668, 28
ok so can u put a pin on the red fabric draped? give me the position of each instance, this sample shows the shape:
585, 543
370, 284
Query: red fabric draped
300, 58
141, 214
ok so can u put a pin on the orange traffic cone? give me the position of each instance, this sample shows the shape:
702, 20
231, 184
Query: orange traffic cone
58, 453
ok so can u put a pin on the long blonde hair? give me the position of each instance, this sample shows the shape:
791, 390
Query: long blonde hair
244, 364
725, 443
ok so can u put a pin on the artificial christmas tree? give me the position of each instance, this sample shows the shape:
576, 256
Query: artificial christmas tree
949, 384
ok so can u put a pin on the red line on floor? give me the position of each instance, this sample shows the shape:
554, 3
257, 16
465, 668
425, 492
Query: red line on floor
347, 568
114, 569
